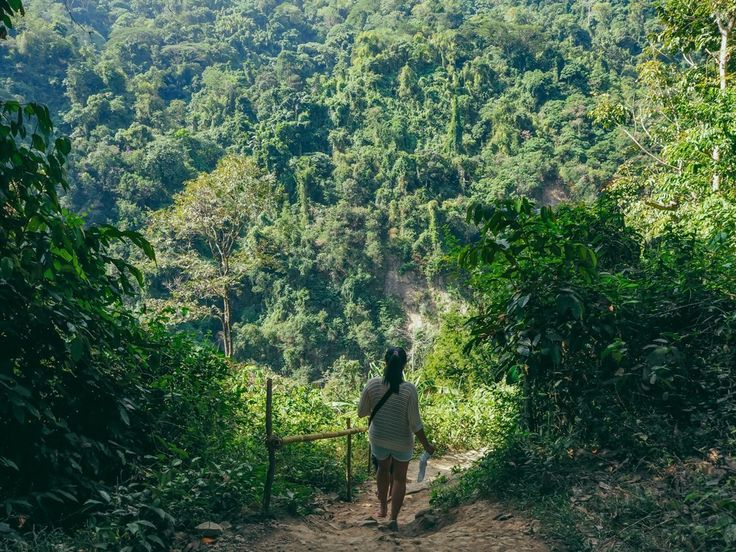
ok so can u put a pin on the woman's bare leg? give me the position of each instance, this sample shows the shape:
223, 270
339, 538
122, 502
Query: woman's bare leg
390, 478
398, 487
383, 479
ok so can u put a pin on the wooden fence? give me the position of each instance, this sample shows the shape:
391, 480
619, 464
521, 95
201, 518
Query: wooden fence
274, 442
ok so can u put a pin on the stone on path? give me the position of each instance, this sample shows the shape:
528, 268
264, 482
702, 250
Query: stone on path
209, 529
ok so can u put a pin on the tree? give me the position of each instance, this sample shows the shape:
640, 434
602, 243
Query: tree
385, 106
455, 128
683, 124
602, 328
206, 238
702, 33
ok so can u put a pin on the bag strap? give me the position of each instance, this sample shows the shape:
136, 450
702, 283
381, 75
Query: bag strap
378, 406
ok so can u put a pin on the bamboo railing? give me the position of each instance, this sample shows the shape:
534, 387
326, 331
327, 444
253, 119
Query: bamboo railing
274, 442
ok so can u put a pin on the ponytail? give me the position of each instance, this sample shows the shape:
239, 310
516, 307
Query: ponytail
393, 373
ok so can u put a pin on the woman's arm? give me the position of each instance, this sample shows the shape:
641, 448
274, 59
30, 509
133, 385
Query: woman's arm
425, 442
364, 406
415, 421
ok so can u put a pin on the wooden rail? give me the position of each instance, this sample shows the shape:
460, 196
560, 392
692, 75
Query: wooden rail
274, 442
280, 441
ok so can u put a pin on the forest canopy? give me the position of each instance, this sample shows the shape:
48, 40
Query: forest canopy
380, 122
535, 198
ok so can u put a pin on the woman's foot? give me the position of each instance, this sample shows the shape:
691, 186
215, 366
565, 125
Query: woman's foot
382, 511
393, 525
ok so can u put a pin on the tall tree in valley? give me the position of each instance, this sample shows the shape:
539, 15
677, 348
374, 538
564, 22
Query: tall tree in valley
206, 238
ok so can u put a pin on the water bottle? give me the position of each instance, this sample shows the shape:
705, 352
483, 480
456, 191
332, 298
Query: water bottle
422, 466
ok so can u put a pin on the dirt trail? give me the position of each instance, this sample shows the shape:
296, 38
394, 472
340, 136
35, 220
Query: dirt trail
482, 526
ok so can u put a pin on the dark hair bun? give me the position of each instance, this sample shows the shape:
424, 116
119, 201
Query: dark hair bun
393, 373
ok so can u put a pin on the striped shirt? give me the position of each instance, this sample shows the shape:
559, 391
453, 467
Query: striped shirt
397, 420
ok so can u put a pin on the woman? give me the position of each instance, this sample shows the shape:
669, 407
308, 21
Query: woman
393, 407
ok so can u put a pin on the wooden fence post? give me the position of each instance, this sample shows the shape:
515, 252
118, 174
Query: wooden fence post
271, 448
349, 465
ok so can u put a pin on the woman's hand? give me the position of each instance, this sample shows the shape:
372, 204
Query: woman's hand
429, 448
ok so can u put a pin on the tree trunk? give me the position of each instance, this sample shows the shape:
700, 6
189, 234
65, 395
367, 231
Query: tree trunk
227, 336
529, 405
724, 54
724, 27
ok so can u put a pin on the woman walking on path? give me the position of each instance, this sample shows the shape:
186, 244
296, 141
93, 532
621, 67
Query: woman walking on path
393, 406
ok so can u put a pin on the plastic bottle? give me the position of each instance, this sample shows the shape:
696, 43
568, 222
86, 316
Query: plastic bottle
422, 466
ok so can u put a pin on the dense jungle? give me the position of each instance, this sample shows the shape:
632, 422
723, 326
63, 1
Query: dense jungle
535, 198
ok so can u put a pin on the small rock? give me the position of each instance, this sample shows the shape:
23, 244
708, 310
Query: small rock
503, 517
209, 529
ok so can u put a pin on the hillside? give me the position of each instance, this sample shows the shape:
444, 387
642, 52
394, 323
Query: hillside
379, 121
216, 218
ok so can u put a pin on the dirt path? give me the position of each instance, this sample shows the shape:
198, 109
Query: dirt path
482, 526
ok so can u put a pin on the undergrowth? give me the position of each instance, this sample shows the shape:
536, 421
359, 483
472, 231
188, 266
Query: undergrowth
589, 499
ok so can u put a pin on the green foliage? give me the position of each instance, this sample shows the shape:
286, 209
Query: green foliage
207, 237
298, 409
463, 419
605, 337
379, 121
608, 323
461, 408
449, 362
617, 319
681, 170
69, 379
8, 10
96, 402
114, 420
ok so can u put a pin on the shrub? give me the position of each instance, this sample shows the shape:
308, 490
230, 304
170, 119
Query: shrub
622, 341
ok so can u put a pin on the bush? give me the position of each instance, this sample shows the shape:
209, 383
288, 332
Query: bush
622, 341
71, 388
459, 419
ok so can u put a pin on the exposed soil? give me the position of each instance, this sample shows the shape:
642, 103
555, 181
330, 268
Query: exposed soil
341, 526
